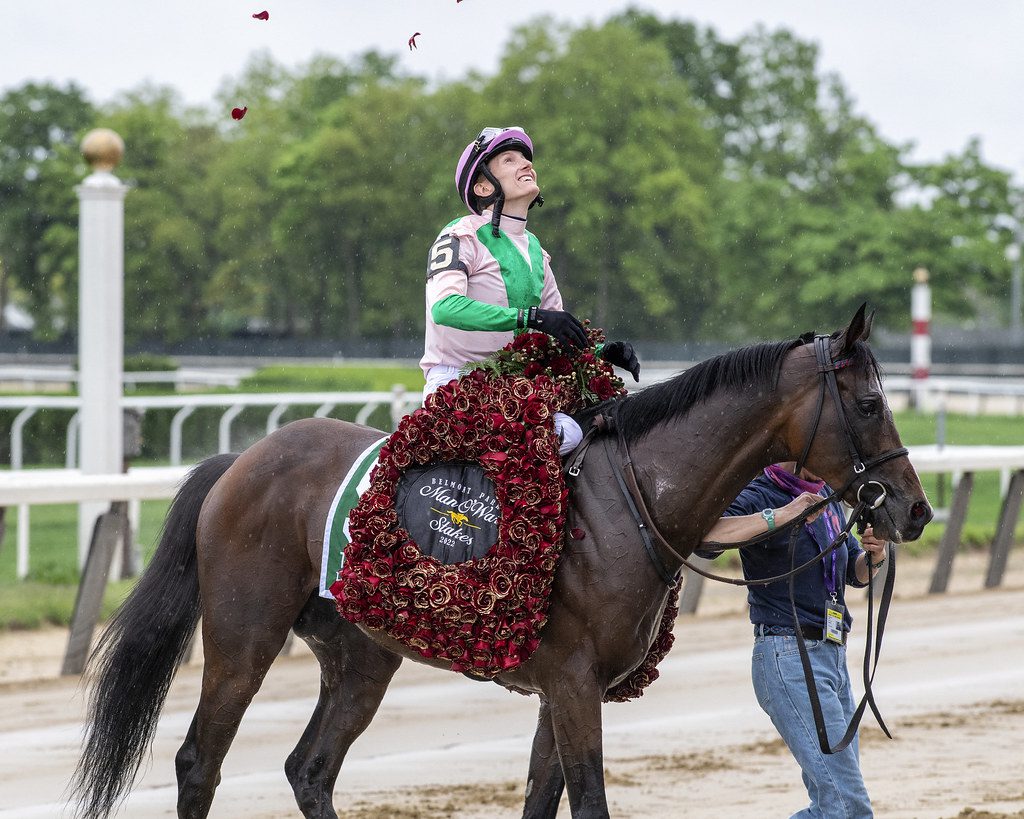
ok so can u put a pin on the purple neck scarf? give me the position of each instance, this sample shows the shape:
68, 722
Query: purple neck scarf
790, 482
793, 485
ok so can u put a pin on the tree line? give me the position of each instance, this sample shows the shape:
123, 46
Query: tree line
696, 187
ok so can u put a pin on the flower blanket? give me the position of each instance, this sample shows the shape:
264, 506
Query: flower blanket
482, 615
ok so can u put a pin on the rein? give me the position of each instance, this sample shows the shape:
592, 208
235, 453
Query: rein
630, 488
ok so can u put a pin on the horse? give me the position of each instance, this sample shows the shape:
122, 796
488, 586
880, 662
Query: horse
242, 541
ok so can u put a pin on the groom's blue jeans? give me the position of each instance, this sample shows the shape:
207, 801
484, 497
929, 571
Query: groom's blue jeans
834, 782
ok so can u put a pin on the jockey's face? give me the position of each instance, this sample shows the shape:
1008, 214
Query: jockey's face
516, 176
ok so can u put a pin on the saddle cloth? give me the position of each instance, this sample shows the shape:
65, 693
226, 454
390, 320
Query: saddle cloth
336, 532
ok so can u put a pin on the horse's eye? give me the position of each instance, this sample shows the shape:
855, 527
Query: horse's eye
868, 406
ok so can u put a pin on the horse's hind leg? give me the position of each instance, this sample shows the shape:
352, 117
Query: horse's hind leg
354, 674
545, 783
240, 641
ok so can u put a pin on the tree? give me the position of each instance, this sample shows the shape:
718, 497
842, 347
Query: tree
169, 223
40, 126
628, 169
355, 223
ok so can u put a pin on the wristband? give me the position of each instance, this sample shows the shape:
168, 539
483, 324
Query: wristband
521, 319
876, 565
769, 518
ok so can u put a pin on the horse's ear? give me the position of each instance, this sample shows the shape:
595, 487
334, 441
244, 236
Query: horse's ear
868, 322
858, 329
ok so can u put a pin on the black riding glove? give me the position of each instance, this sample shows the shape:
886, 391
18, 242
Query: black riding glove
620, 354
558, 323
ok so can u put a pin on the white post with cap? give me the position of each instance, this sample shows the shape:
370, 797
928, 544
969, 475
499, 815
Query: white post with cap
921, 339
100, 318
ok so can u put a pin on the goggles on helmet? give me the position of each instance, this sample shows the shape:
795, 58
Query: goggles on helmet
489, 143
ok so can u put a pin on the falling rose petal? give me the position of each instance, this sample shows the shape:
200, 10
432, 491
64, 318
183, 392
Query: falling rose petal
578, 534
263, 15
412, 41
238, 113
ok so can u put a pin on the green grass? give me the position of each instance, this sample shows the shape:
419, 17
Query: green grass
964, 430
48, 596
343, 378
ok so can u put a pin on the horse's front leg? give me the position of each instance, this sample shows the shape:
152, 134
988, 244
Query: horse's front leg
545, 783
575, 704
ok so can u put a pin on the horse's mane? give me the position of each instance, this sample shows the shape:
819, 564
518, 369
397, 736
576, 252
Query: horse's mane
754, 367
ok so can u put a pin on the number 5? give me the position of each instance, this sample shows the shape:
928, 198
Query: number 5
441, 254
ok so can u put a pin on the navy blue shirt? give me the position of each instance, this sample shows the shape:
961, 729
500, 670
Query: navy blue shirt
769, 605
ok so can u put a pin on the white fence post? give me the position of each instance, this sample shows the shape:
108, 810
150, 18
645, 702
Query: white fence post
921, 340
100, 317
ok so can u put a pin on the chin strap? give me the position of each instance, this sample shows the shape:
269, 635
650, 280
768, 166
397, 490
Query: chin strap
497, 204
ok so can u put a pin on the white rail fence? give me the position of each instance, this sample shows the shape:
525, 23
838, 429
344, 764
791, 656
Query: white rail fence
974, 396
51, 486
398, 402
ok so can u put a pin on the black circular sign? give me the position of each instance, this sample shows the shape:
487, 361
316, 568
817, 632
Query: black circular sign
449, 509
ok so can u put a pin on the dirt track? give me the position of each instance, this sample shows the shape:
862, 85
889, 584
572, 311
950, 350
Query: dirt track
951, 685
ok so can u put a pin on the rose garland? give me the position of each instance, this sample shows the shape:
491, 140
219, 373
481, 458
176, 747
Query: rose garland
481, 616
647, 672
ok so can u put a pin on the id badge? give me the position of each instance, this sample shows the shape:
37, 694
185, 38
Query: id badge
834, 622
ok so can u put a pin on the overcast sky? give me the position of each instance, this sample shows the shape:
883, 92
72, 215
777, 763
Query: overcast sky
932, 72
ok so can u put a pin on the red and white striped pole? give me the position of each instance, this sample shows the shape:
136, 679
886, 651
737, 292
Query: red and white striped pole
921, 339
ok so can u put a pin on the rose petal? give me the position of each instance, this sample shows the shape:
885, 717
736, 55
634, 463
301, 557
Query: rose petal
238, 113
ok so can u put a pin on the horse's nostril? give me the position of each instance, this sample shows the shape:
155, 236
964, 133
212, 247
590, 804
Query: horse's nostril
919, 510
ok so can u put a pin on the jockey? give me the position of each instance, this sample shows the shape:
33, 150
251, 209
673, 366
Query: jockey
488, 277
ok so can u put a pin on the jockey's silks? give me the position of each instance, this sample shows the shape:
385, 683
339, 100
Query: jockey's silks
491, 278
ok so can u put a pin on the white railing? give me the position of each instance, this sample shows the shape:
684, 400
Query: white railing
47, 486
29, 487
398, 401
29, 378
973, 396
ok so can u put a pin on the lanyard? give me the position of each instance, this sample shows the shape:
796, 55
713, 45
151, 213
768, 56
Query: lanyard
832, 529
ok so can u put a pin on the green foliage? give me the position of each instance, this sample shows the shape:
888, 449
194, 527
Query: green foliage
40, 125
696, 187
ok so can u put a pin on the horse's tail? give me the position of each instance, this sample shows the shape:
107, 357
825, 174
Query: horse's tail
140, 650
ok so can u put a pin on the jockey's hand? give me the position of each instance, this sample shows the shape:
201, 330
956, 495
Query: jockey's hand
620, 354
560, 324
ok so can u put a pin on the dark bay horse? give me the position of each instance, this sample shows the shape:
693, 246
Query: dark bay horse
242, 542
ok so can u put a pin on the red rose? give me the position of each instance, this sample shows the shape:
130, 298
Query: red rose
561, 365
536, 412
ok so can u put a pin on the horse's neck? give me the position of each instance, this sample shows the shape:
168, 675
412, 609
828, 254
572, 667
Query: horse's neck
692, 468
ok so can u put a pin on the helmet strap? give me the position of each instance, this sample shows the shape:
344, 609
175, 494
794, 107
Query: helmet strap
497, 203
497, 207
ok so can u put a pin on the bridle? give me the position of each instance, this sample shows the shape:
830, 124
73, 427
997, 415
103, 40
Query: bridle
630, 488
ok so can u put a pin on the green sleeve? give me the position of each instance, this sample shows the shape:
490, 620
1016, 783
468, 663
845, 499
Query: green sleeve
464, 313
